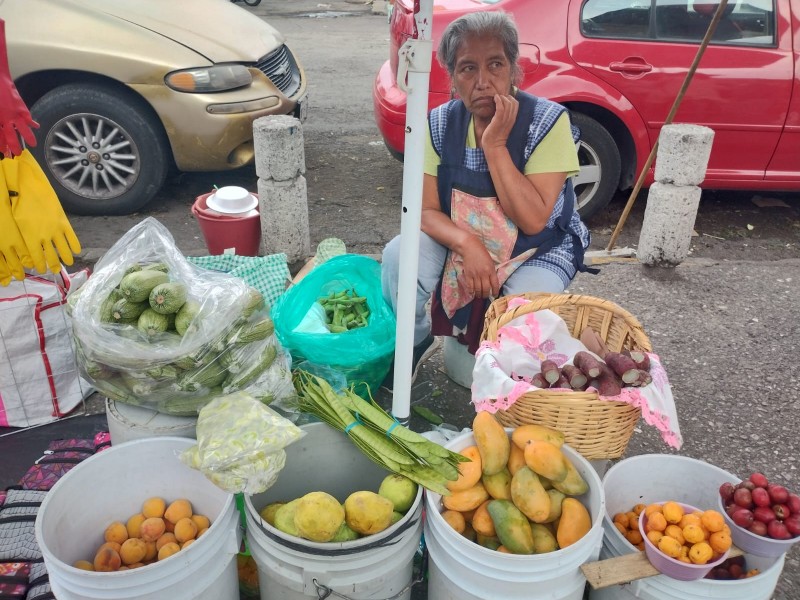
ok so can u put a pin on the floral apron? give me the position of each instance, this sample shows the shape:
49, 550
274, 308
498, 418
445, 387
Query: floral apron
469, 198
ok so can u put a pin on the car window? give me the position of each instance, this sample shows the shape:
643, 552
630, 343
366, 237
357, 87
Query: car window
744, 22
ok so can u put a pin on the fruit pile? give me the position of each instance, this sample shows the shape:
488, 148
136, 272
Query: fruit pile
515, 494
763, 508
154, 534
697, 537
319, 517
732, 568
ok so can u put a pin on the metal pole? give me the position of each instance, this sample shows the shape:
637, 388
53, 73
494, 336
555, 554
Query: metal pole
712, 27
415, 61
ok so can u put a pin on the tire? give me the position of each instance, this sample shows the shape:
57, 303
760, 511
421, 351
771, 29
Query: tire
252, 2
116, 176
601, 166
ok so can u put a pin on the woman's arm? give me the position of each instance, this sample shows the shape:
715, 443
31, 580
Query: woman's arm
527, 200
480, 275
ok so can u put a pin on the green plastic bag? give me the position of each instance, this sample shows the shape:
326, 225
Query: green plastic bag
363, 354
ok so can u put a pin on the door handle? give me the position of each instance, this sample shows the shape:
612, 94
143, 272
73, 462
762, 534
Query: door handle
632, 68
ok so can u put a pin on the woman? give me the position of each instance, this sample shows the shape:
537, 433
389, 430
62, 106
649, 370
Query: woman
498, 206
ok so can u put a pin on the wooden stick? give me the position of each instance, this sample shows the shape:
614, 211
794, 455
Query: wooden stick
689, 74
624, 569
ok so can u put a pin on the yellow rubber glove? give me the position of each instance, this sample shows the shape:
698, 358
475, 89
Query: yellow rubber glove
38, 214
5, 273
13, 251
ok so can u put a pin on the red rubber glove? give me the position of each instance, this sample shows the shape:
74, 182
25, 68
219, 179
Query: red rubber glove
15, 119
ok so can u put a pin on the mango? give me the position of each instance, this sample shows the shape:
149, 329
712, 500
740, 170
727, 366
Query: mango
268, 512
525, 433
345, 534
318, 516
529, 495
513, 528
400, 490
482, 521
368, 513
498, 485
467, 499
492, 441
284, 518
516, 459
469, 472
543, 539
573, 484
575, 522
556, 498
492, 542
546, 459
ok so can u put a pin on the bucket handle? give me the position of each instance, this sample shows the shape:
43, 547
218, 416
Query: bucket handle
323, 591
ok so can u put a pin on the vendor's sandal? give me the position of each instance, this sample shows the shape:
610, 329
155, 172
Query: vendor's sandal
422, 352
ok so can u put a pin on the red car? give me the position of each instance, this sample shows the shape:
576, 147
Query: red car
618, 65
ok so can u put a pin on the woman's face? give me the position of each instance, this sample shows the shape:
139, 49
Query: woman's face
481, 71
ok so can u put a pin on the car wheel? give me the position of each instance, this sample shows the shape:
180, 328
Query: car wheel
600, 163
101, 149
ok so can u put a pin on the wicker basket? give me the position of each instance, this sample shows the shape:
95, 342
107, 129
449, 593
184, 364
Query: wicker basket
598, 429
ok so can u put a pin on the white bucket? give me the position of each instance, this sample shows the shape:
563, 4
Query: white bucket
111, 486
127, 422
653, 478
290, 568
462, 570
458, 362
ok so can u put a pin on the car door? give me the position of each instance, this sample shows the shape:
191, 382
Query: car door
741, 88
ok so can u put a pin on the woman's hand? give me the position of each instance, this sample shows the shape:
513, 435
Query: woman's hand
480, 274
499, 128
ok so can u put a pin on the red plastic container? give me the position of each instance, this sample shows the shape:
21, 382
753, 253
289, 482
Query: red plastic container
224, 232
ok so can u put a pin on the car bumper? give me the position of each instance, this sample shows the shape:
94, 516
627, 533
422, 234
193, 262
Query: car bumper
221, 125
389, 105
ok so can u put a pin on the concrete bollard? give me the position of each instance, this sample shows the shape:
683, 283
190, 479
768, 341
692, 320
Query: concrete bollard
283, 196
284, 218
683, 152
668, 224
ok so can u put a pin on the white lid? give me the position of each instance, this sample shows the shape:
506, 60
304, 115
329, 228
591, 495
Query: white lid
231, 199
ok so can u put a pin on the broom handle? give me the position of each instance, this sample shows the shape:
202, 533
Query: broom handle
675, 105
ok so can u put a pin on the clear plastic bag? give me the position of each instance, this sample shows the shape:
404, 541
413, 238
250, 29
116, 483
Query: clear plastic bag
240, 443
227, 346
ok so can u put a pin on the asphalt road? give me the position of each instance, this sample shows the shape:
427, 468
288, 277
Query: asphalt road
726, 323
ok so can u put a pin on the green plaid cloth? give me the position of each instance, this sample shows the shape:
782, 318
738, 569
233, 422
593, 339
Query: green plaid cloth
268, 274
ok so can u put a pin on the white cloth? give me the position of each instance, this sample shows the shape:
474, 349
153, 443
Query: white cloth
504, 368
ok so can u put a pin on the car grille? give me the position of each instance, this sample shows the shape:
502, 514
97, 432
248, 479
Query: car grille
282, 70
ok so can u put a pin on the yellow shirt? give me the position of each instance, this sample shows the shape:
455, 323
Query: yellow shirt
555, 153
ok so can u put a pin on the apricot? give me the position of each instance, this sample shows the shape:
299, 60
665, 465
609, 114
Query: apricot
656, 521
675, 532
720, 542
622, 519
620, 527
154, 507
201, 532
178, 510
185, 529
134, 525
165, 538
116, 532
634, 536
654, 536
106, 560
652, 508
689, 519
712, 520
115, 546
670, 546
638, 508
693, 533
152, 551
673, 512
700, 553
152, 529
168, 550
85, 565
201, 521
186, 544
136, 565
169, 526
133, 550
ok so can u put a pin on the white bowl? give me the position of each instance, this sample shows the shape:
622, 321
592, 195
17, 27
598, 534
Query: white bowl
231, 200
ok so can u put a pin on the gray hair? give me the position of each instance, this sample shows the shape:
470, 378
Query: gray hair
492, 23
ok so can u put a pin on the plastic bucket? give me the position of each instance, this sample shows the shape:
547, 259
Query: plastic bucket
462, 570
654, 478
290, 568
111, 486
241, 234
127, 422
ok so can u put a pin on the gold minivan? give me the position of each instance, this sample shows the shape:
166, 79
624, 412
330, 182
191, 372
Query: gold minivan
125, 90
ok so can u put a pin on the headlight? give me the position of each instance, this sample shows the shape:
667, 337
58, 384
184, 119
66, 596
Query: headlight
209, 79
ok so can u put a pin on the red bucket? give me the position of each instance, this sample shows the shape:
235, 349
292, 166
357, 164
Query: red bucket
242, 234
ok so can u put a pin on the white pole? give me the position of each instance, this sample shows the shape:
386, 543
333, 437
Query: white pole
415, 60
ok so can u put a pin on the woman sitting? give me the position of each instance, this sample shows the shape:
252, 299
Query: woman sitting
498, 206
